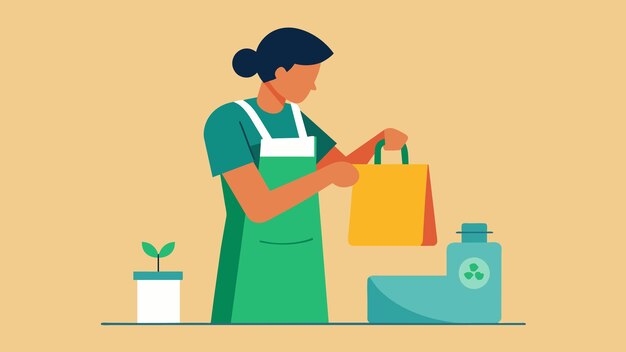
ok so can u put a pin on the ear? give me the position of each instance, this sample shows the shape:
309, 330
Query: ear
279, 72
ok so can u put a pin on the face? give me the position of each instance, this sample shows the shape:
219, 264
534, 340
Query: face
296, 84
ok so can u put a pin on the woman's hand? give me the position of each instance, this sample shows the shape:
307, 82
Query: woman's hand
394, 139
342, 174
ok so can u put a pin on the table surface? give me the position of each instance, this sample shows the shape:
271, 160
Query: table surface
305, 324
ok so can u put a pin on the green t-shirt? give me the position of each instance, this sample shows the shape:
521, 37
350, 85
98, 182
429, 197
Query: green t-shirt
232, 140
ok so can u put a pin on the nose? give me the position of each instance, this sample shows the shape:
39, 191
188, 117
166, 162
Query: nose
313, 87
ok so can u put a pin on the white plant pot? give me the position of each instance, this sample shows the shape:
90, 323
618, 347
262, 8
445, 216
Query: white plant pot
158, 296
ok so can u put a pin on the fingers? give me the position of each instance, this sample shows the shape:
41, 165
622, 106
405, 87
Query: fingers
394, 144
394, 139
345, 174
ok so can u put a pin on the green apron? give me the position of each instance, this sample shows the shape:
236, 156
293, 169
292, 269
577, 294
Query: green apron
277, 276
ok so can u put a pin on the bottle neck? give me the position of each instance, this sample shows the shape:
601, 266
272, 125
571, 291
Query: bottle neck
474, 238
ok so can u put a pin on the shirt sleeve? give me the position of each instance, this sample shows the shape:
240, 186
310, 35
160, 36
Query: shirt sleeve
324, 142
225, 140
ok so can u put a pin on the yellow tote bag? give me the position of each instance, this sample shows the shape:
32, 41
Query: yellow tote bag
392, 205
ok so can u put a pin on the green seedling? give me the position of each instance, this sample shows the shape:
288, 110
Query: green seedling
150, 250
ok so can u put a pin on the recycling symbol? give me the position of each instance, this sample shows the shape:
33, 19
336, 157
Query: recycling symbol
474, 273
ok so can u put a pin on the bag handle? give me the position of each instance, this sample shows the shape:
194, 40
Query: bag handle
379, 147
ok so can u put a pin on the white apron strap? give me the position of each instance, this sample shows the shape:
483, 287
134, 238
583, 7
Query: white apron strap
256, 120
297, 116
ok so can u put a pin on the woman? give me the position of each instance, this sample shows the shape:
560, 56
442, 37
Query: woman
273, 161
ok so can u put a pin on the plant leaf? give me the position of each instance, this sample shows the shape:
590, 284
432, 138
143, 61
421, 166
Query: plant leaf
479, 276
473, 267
149, 249
167, 249
468, 275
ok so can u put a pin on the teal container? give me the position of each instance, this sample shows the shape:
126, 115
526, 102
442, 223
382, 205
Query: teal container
471, 291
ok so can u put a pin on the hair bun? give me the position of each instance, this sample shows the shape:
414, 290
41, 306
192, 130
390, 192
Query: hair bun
245, 63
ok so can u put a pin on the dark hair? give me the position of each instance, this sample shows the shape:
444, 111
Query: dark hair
283, 47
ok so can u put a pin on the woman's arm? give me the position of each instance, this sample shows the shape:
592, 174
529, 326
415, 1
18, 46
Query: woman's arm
261, 204
394, 140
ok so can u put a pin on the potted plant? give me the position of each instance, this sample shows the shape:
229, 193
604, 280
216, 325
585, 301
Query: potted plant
158, 292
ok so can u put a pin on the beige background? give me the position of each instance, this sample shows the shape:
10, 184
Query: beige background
517, 106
